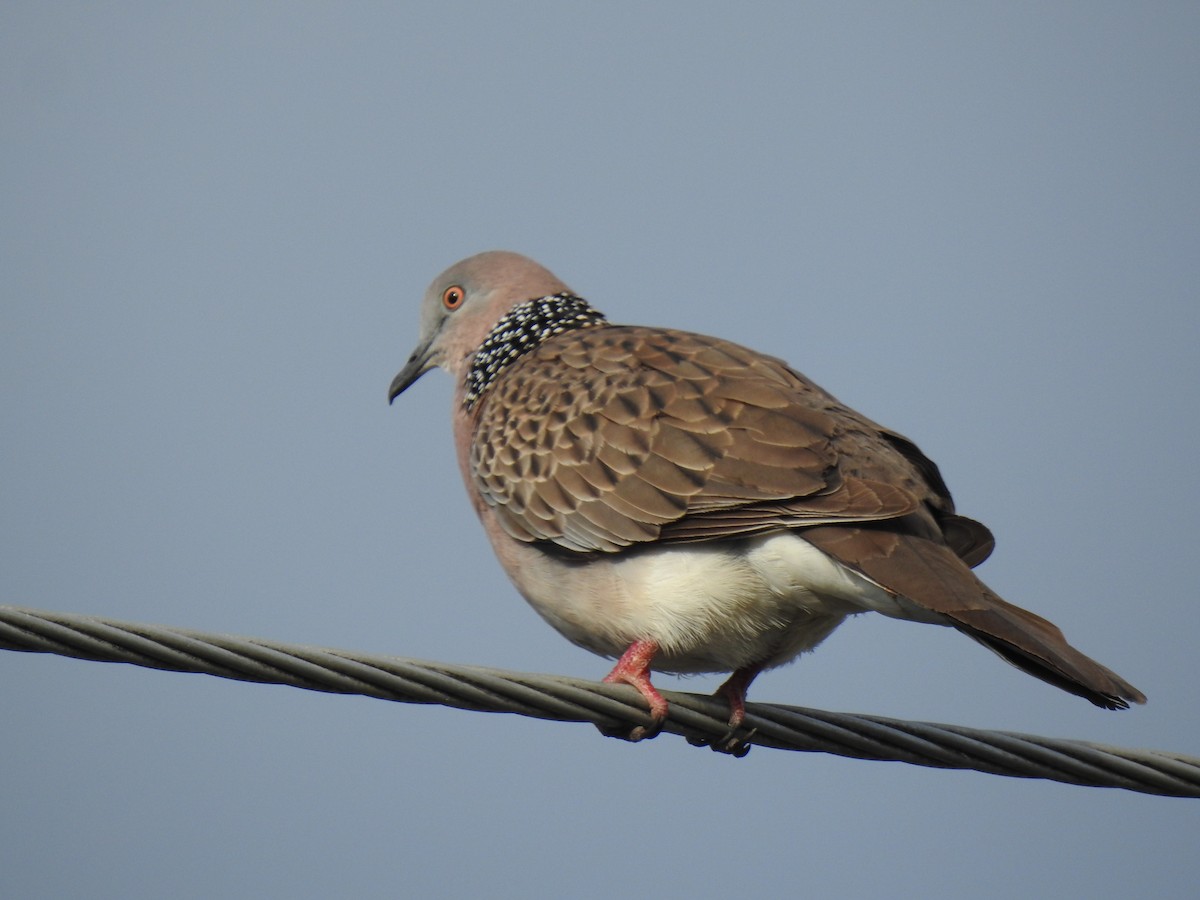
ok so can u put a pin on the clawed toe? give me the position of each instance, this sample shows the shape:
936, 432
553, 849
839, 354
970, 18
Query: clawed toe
633, 668
729, 743
633, 735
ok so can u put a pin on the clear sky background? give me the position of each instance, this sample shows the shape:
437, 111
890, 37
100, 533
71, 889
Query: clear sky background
977, 223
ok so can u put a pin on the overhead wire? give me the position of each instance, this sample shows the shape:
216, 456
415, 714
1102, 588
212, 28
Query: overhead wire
615, 709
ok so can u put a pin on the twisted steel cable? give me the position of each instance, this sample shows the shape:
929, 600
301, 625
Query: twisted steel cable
615, 709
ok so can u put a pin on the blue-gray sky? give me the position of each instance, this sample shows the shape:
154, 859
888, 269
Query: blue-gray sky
977, 223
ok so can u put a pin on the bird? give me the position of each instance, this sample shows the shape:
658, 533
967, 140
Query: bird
683, 504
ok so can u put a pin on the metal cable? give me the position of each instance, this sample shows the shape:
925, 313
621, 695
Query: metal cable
613, 708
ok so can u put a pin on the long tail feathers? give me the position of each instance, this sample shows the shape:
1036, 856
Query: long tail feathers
1036, 646
930, 575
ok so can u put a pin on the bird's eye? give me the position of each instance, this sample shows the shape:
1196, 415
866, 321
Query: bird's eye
452, 297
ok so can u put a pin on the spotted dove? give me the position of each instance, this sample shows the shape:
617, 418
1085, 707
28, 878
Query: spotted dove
685, 504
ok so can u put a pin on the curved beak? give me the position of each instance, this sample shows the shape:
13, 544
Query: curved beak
418, 364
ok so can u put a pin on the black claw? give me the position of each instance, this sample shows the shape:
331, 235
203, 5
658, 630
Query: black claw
633, 735
728, 743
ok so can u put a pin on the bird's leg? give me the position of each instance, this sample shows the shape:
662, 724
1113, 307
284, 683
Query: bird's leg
734, 691
633, 668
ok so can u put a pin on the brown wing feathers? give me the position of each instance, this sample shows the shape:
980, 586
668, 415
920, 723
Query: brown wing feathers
696, 439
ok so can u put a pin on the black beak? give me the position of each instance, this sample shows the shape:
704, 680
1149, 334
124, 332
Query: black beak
418, 364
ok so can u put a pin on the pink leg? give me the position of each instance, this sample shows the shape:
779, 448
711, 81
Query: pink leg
734, 690
634, 668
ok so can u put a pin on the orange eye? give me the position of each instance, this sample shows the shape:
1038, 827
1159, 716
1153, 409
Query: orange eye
452, 297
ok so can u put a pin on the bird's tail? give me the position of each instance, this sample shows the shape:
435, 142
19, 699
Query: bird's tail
930, 576
1036, 646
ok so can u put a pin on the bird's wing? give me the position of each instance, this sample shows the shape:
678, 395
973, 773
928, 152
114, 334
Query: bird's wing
604, 438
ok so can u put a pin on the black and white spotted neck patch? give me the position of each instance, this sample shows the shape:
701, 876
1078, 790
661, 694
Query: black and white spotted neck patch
522, 329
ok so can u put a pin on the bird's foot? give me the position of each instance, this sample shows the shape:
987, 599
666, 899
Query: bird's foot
734, 691
730, 743
633, 668
633, 735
